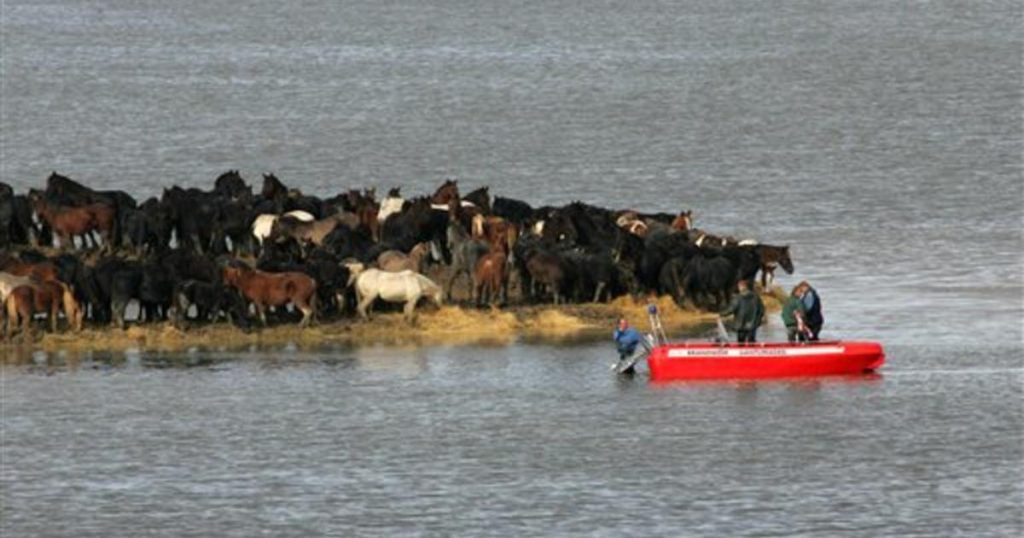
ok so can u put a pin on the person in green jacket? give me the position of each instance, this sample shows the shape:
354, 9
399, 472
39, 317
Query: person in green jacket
794, 317
748, 311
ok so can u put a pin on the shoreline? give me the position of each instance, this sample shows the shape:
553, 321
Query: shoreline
448, 325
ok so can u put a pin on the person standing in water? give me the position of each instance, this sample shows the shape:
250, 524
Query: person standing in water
748, 312
626, 339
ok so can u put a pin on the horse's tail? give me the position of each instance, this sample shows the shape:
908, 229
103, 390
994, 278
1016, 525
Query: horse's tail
314, 305
72, 310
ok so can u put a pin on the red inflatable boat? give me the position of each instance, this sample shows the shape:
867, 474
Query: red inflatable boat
709, 360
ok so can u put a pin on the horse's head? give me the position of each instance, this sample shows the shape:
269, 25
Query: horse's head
684, 221
478, 226
448, 191
232, 272
57, 183
395, 192
435, 293
272, 187
785, 261
72, 309
559, 229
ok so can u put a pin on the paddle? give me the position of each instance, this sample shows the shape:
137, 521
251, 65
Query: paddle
722, 334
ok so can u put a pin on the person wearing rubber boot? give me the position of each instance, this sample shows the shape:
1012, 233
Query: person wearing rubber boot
748, 312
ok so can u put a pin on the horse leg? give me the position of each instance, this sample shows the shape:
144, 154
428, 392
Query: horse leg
451, 282
409, 310
262, 311
26, 323
119, 311
364, 306
54, 308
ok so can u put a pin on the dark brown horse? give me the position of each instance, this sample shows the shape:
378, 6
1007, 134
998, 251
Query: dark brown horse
773, 256
274, 289
69, 222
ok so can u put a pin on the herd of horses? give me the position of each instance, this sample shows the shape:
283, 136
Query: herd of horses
197, 256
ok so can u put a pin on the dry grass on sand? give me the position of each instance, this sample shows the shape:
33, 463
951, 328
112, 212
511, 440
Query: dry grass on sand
445, 325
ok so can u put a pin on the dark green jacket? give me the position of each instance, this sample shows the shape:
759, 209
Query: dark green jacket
747, 309
790, 309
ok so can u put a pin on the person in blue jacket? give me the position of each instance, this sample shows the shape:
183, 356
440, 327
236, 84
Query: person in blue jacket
626, 339
812, 305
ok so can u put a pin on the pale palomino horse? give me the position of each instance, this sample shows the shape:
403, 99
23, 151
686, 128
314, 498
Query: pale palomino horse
405, 287
394, 261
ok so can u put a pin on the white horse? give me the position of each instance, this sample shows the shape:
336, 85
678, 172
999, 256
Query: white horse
403, 287
264, 223
389, 206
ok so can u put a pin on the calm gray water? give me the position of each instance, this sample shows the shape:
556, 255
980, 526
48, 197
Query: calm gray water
882, 140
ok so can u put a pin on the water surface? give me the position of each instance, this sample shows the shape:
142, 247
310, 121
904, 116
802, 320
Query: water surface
882, 141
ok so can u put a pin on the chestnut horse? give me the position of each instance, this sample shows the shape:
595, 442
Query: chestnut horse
448, 191
39, 271
490, 279
68, 221
496, 231
265, 289
25, 301
683, 222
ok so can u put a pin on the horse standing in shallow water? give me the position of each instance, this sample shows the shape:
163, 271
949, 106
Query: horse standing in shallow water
404, 287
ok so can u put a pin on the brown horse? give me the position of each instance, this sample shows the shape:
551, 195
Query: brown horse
69, 222
394, 261
447, 192
490, 279
38, 271
683, 222
366, 209
773, 256
499, 233
20, 305
23, 302
265, 289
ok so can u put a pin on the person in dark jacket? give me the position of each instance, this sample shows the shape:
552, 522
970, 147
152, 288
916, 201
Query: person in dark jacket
812, 307
748, 312
626, 339
793, 315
